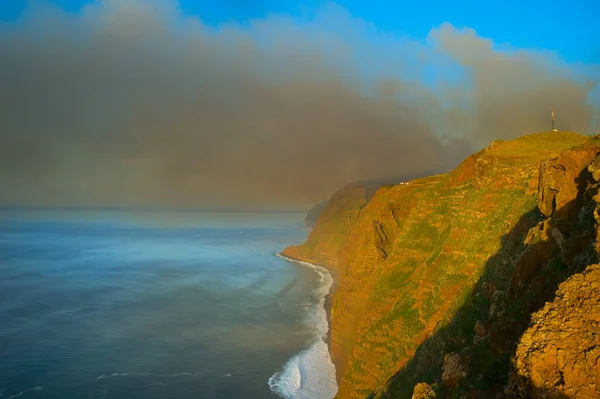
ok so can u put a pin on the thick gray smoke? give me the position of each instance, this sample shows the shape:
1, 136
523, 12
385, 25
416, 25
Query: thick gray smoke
131, 103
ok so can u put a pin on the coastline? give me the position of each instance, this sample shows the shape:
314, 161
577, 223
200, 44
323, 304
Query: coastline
328, 303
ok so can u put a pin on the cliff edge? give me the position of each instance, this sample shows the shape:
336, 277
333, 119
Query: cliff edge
438, 279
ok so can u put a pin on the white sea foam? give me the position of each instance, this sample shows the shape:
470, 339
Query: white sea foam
148, 375
311, 373
34, 389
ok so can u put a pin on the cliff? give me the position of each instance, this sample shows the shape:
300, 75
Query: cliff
438, 279
367, 187
314, 213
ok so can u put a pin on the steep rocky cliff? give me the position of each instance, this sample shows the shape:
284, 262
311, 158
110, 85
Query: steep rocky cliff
314, 213
437, 279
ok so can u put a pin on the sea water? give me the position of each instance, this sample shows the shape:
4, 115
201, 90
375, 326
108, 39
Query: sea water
115, 304
310, 374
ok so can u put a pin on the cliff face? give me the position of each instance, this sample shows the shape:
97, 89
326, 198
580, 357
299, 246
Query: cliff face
438, 278
559, 354
367, 189
314, 213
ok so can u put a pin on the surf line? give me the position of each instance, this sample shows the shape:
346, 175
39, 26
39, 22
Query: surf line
103, 376
17, 395
311, 373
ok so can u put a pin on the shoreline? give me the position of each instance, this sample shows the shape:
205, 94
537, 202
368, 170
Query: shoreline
328, 303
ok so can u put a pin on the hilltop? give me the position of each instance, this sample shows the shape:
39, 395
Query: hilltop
442, 283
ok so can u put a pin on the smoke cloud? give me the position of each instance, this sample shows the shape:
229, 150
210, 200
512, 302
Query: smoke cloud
133, 103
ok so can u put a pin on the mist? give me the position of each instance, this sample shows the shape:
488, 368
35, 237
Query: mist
133, 103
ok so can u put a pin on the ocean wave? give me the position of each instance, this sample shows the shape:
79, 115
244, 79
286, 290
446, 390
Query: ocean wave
103, 376
18, 395
311, 373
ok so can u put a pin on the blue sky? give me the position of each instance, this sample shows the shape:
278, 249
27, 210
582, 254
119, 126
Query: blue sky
569, 28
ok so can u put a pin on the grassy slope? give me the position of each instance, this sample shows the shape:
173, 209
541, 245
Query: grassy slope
409, 258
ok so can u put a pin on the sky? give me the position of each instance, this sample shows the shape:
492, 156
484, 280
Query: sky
569, 28
275, 104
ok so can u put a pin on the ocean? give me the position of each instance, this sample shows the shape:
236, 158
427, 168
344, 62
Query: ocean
156, 304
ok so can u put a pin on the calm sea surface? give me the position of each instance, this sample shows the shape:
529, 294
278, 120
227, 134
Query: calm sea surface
154, 305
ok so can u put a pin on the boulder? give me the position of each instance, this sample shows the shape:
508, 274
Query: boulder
423, 391
454, 370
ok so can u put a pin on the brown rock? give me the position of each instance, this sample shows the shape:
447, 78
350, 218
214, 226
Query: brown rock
559, 355
559, 177
541, 247
454, 370
551, 178
423, 391
479, 329
594, 168
480, 332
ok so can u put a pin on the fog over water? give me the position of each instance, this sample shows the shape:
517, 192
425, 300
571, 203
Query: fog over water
132, 102
157, 305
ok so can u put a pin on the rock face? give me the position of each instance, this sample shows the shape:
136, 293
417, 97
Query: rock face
560, 178
423, 391
594, 168
559, 354
325, 240
454, 264
454, 370
313, 214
